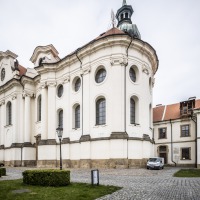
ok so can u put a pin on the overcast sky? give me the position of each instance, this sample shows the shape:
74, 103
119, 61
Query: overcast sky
172, 27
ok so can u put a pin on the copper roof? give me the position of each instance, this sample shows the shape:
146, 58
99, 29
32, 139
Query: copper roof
167, 112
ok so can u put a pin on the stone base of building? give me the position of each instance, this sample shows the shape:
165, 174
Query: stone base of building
100, 163
19, 163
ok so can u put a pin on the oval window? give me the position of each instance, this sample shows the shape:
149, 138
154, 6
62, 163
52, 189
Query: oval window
100, 75
132, 74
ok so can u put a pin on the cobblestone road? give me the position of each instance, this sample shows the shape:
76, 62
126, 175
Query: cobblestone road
138, 184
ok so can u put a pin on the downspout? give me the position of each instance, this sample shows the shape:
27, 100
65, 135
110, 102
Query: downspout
195, 121
172, 145
125, 91
81, 88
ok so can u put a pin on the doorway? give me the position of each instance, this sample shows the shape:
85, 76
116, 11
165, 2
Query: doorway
162, 152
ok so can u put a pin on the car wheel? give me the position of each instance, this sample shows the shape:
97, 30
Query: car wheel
147, 168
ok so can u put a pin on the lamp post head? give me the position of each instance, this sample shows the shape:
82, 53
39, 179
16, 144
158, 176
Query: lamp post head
59, 132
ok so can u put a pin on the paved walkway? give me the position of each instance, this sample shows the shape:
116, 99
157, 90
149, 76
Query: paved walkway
138, 184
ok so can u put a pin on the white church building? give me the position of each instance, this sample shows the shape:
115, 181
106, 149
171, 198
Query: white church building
100, 94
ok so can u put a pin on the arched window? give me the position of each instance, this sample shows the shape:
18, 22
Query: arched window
77, 84
100, 76
60, 90
39, 107
77, 116
122, 16
132, 111
132, 74
9, 113
101, 111
60, 119
126, 15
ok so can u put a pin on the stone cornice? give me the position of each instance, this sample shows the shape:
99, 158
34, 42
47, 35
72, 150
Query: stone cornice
10, 84
51, 83
102, 43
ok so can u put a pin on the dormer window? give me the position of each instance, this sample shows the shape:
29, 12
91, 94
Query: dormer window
40, 61
186, 107
122, 16
126, 15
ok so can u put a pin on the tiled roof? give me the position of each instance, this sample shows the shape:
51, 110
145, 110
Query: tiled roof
163, 113
22, 70
112, 31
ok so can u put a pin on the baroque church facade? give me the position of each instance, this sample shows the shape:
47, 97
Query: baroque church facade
100, 94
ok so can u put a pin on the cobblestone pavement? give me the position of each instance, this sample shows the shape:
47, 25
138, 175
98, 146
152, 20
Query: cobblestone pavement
138, 184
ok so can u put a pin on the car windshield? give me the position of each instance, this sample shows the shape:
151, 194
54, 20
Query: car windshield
152, 159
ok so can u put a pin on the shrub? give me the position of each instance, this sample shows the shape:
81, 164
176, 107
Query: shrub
3, 171
46, 177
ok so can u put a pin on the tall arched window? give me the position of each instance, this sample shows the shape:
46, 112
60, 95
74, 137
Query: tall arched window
9, 113
132, 111
101, 111
60, 119
77, 116
132, 74
39, 108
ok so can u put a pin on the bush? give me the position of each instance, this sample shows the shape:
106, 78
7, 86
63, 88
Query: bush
3, 171
46, 177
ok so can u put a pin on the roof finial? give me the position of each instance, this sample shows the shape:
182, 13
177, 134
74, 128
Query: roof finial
124, 3
113, 18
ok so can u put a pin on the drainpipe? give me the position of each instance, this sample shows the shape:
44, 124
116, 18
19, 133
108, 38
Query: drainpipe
81, 88
125, 91
172, 145
194, 119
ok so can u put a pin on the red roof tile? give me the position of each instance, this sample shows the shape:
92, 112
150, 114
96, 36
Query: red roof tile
22, 70
112, 31
171, 112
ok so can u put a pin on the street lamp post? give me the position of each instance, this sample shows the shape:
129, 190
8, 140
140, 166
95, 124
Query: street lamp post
59, 132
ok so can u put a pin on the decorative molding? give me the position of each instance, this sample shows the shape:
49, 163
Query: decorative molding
66, 79
47, 142
27, 94
118, 61
2, 102
86, 70
14, 96
51, 84
43, 85
145, 69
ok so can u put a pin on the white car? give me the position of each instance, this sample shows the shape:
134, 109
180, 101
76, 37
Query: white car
155, 163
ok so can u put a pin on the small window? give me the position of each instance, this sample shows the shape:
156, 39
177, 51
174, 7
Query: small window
132, 111
162, 133
122, 16
60, 119
9, 113
60, 90
77, 116
126, 15
77, 84
185, 130
185, 153
101, 111
132, 74
100, 76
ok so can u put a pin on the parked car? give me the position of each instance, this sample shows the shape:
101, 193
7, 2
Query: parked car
1, 164
155, 163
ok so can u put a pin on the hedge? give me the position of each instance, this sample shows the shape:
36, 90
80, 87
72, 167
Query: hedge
46, 177
2, 171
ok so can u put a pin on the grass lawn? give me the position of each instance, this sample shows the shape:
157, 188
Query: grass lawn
74, 191
188, 173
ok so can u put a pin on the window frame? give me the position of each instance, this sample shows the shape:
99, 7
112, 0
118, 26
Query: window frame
100, 77
181, 130
39, 104
77, 86
60, 118
162, 128
77, 117
60, 93
133, 76
189, 153
132, 111
9, 113
101, 111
